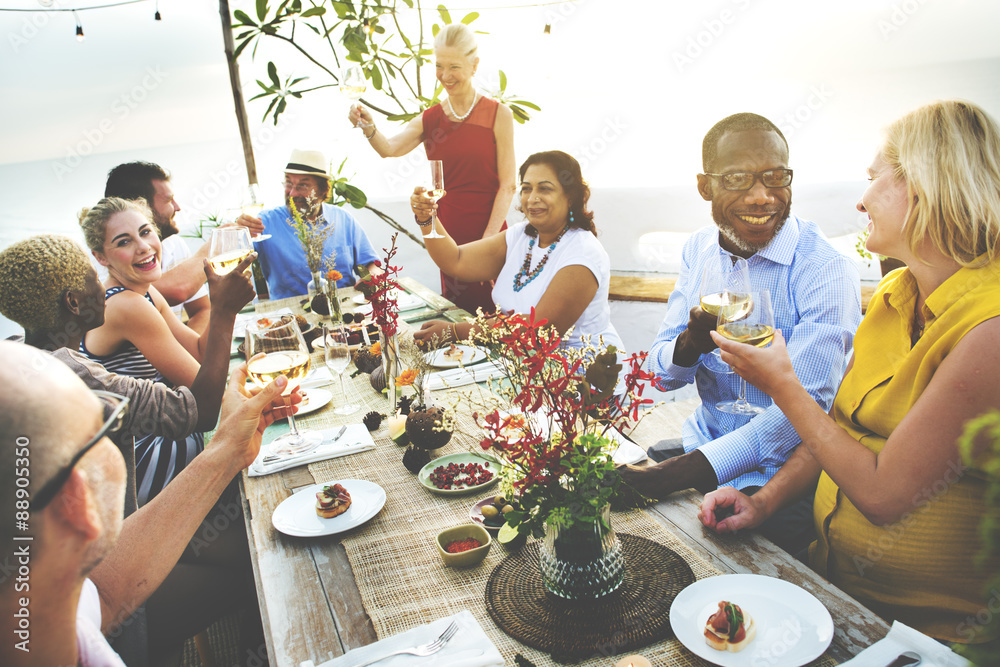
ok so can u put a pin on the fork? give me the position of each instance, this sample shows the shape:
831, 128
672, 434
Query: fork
423, 650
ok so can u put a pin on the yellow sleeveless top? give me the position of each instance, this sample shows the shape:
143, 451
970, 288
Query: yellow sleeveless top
921, 569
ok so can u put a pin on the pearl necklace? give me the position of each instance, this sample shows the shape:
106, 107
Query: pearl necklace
518, 285
475, 98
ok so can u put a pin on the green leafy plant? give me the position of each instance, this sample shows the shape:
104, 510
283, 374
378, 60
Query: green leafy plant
980, 448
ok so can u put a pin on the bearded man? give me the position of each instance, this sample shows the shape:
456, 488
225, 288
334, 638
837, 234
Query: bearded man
815, 292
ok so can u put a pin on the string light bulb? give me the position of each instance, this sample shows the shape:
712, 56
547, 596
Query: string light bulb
156, 16
79, 27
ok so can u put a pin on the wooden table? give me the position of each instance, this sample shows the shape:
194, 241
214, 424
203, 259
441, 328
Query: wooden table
312, 609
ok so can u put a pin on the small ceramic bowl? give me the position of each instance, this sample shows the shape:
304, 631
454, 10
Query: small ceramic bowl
464, 558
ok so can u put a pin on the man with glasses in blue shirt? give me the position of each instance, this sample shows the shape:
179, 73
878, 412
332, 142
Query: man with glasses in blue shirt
82, 569
282, 258
815, 293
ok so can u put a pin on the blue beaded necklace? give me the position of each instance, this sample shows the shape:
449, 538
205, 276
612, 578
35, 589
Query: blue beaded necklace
524, 272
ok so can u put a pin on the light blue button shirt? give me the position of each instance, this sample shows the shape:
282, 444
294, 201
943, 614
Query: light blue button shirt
816, 296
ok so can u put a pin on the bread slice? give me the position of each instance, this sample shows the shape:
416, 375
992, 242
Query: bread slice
332, 501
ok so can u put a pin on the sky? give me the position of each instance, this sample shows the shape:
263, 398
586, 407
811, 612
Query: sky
629, 88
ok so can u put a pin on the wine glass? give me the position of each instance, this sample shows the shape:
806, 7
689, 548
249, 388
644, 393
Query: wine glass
435, 192
284, 353
745, 319
230, 246
338, 357
723, 273
353, 86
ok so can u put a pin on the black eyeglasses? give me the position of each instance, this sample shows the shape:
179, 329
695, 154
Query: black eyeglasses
744, 180
115, 408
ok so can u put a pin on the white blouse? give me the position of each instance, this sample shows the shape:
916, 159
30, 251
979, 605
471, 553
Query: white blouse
577, 247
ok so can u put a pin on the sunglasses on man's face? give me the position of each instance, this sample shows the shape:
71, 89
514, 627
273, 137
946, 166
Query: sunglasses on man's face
115, 408
744, 180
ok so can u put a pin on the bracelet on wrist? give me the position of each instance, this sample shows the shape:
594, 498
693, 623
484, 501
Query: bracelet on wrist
369, 136
424, 223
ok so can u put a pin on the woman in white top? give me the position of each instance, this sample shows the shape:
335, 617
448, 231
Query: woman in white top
553, 262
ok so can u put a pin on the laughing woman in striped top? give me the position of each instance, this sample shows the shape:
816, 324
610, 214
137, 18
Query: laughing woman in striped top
141, 336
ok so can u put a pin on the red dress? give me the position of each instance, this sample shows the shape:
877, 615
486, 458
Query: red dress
468, 150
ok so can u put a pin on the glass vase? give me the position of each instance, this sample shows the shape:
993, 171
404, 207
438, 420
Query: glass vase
583, 561
333, 301
318, 284
391, 368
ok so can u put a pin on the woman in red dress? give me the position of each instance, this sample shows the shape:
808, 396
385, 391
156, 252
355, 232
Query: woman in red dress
473, 136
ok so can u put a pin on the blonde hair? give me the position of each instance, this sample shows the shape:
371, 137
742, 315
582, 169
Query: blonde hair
948, 153
457, 35
94, 221
35, 274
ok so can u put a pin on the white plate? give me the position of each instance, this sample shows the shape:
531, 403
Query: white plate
240, 326
793, 627
403, 302
470, 355
296, 515
361, 300
316, 398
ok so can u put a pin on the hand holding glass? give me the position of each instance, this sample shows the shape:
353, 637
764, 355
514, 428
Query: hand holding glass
230, 246
353, 86
722, 274
750, 322
338, 357
435, 193
285, 353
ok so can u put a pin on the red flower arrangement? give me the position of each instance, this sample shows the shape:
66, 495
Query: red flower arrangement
380, 289
554, 440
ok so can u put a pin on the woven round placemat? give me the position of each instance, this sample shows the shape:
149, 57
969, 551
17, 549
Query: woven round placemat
635, 615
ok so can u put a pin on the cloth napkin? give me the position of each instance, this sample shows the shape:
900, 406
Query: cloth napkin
317, 377
457, 377
470, 647
904, 638
628, 451
240, 325
355, 439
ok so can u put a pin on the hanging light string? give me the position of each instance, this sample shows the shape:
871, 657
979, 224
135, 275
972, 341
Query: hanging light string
67, 9
373, 6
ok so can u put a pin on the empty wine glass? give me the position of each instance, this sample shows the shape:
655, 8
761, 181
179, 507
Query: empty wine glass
435, 193
338, 357
723, 273
284, 353
750, 321
230, 246
353, 86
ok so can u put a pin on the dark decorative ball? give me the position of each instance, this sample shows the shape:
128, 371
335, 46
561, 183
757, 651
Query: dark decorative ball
365, 361
405, 404
372, 420
414, 459
422, 428
377, 379
320, 305
348, 318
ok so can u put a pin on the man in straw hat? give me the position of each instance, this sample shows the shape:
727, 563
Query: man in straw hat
282, 257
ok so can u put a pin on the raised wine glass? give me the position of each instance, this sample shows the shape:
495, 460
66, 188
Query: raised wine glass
750, 323
723, 274
230, 246
284, 353
338, 357
353, 86
435, 193
252, 205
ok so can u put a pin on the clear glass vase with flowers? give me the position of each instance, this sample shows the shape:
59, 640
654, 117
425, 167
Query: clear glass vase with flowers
549, 419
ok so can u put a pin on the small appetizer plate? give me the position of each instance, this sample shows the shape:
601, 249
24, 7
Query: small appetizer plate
469, 355
296, 515
793, 627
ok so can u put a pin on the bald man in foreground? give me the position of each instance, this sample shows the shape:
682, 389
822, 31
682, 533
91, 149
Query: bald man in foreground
80, 569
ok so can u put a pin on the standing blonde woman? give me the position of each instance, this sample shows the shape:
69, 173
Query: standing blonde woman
474, 137
141, 336
896, 513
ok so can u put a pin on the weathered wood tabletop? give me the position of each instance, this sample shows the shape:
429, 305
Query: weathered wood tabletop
312, 609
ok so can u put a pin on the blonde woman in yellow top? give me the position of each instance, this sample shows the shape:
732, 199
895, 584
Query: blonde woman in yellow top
895, 512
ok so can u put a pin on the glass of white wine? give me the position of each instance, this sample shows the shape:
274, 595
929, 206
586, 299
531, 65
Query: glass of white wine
230, 246
353, 86
435, 193
338, 358
723, 274
750, 322
284, 353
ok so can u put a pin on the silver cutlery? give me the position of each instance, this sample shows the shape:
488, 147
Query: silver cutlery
271, 458
430, 648
906, 659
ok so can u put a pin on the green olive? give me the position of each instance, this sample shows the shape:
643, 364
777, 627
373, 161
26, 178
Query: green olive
489, 511
499, 501
508, 508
